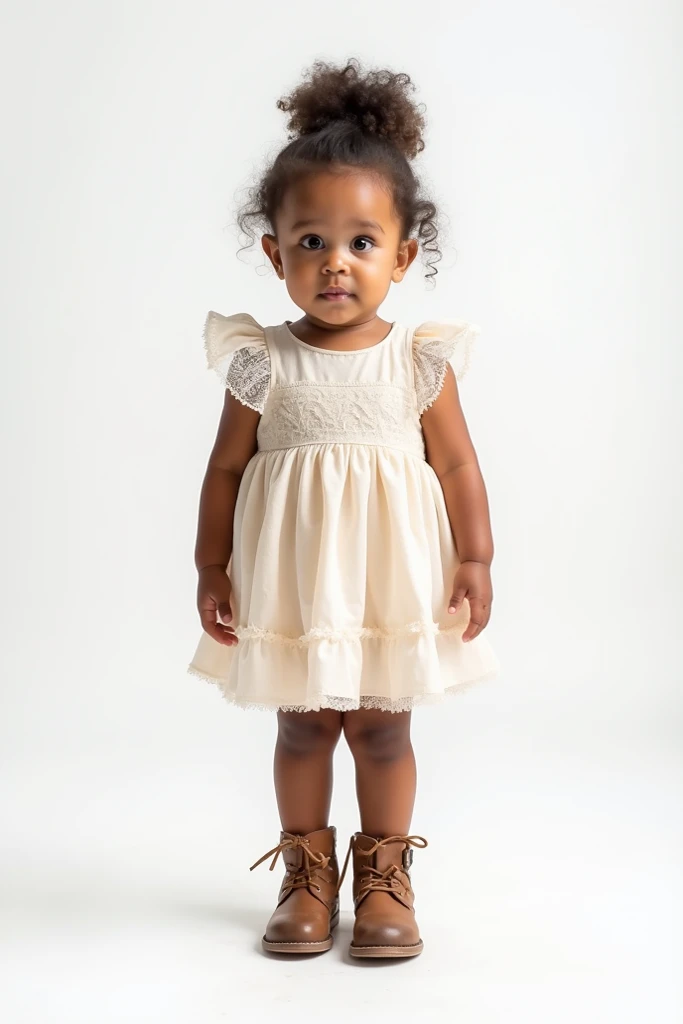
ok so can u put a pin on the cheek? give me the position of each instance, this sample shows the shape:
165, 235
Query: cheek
299, 262
377, 268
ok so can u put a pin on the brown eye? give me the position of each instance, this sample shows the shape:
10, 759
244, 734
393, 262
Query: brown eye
364, 240
315, 238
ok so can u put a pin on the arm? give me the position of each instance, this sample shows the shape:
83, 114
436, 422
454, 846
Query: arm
451, 454
234, 446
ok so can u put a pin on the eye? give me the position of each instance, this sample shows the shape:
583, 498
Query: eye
362, 238
315, 238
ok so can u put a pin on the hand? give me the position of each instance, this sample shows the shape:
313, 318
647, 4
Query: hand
473, 581
213, 594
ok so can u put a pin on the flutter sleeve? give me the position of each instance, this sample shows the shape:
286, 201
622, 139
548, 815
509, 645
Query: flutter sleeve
434, 345
236, 349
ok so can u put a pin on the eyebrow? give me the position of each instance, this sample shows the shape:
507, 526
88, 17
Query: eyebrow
360, 223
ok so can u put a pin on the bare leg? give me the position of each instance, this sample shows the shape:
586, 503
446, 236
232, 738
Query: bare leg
386, 776
303, 768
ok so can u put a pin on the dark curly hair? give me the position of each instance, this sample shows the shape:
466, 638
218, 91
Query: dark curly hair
344, 116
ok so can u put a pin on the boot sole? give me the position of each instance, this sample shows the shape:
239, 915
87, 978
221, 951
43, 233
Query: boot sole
386, 951
303, 947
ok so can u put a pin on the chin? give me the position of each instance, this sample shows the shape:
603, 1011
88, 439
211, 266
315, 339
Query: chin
340, 306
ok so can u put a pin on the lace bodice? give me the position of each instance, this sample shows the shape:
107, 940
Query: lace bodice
309, 395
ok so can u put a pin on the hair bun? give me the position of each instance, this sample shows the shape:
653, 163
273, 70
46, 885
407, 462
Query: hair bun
377, 101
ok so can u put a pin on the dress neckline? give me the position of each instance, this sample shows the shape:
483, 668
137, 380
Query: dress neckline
341, 352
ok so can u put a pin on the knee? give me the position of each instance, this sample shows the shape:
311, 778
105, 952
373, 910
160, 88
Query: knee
303, 733
378, 739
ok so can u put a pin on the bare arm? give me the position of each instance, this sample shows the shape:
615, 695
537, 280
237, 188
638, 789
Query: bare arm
451, 454
234, 446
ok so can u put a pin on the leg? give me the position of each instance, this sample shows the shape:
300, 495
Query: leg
308, 903
303, 768
385, 924
385, 769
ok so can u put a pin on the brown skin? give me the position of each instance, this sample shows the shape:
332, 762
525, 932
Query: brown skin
335, 248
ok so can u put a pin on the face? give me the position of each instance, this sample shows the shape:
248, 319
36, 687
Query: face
338, 231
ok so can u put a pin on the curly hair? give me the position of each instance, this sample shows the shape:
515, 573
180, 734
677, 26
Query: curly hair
347, 117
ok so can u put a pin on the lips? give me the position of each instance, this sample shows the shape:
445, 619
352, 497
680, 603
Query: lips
336, 291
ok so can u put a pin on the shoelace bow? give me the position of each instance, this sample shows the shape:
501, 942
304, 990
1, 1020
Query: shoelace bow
382, 881
312, 862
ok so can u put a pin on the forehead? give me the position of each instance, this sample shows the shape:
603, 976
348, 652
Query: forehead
338, 199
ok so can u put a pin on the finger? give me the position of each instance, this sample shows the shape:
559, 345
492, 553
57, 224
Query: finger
473, 629
222, 635
457, 598
477, 619
224, 611
219, 632
210, 610
479, 624
480, 628
225, 639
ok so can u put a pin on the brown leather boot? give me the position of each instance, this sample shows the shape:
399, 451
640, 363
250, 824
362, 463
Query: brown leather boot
308, 902
383, 897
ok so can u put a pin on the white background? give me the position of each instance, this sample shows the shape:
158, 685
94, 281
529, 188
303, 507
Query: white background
134, 798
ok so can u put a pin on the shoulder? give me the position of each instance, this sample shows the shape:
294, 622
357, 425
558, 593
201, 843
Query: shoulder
237, 350
435, 344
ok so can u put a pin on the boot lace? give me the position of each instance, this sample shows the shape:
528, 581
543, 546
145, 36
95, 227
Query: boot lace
297, 878
374, 879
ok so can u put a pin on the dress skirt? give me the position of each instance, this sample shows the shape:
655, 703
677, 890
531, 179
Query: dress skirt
342, 569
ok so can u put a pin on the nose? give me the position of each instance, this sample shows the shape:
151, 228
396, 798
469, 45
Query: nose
336, 262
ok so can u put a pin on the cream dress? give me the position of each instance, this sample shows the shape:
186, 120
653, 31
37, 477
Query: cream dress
343, 557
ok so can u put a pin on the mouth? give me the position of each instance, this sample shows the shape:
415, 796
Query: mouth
335, 294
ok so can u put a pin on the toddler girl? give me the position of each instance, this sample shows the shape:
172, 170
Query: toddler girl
344, 543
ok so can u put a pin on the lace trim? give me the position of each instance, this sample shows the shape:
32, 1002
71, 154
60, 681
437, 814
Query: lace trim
346, 635
246, 375
430, 358
395, 706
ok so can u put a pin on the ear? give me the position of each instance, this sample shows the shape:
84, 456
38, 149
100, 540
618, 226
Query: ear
407, 251
272, 251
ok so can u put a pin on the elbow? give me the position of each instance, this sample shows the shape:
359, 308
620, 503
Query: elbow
449, 469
